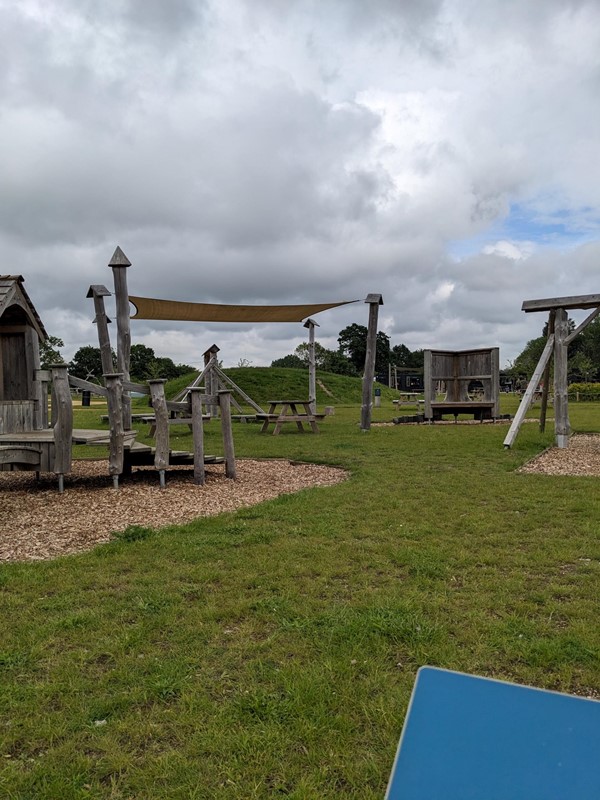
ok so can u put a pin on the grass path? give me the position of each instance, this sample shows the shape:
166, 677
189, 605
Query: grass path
271, 652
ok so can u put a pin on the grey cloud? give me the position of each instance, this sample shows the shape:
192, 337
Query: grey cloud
256, 152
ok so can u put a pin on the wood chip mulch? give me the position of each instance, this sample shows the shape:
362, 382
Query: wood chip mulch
581, 457
36, 522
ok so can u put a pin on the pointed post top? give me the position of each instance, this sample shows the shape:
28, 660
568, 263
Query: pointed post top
119, 259
97, 290
310, 322
374, 298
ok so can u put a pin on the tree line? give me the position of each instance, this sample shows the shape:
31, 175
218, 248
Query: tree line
87, 362
349, 358
584, 354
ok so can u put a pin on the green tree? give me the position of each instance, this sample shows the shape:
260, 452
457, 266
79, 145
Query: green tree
142, 362
165, 367
49, 352
87, 363
588, 345
291, 361
525, 363
336, 362
353, 343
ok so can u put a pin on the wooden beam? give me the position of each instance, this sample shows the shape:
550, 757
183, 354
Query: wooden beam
198, 435
119, 264
227, 433
428, 388
98, 293
63, 428
227, 380
576, 301
88, 386
312, 368
161, 454
374, 301
529, 393
583, 325
116, 454
546, 377
562, 426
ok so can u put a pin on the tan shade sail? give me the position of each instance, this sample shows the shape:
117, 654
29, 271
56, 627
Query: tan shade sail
147, 308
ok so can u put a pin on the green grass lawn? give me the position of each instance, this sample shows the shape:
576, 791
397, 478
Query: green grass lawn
271, 652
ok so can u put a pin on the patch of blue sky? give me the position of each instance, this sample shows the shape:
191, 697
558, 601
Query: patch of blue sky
557, 228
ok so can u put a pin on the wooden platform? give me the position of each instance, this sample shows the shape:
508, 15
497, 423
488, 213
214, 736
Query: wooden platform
34, 450
480, 410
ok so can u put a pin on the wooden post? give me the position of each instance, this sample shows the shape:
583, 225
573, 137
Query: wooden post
495, 380
119, 264
527, 398
198, 434
312, 367
227, 433
374, 301
546, 377
43, 376
211, 377
562, 427
114, 387
98, 293
428, 387
161, 415
63, 427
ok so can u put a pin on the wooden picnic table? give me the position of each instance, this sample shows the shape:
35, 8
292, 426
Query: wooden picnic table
288, 412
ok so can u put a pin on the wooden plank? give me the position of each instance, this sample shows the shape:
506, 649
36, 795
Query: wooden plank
583, 325
102, 320
157, 393
63, 428
17, 416
87, 386
495, 380
469, 404
140, 388
546, 378
312, 369
428, 382
115, 413
198, 435
575, 301
227, 433
172, 405
119, 265
562, 427
20, 455
486, 376
529, 393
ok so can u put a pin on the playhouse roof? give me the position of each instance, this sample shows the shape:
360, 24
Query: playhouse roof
12, 292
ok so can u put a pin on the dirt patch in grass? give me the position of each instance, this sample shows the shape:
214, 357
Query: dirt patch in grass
581, 457
36, 522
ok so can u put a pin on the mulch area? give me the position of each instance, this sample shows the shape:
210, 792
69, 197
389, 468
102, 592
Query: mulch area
36, 522
581, 457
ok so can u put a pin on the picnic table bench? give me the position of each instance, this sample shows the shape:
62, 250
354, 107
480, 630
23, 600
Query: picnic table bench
289, 413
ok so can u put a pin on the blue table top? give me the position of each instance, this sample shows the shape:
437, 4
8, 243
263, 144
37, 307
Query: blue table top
471, 738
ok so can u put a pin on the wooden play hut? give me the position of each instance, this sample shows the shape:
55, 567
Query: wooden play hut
469, 381
23, 405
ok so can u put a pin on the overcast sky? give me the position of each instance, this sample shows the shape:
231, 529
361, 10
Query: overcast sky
443, 154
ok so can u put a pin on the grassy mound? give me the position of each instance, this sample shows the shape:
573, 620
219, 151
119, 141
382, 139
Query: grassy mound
265, 383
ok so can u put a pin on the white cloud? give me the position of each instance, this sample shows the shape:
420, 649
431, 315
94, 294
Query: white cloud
256, 151
515, 251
